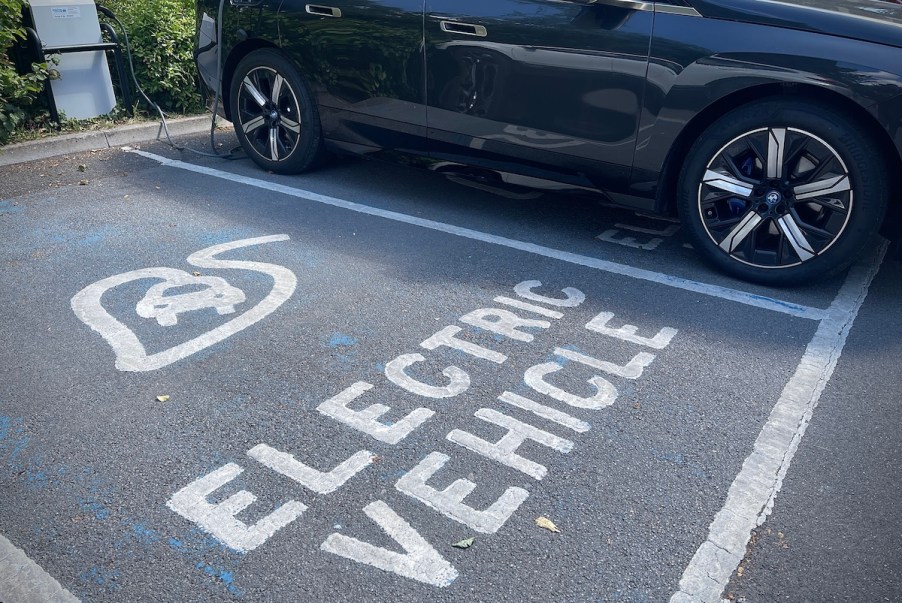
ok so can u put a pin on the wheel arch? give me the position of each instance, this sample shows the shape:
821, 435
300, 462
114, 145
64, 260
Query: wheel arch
678, 154
238, 52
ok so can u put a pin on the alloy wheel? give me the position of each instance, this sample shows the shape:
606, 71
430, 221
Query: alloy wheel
775, 197
269, 114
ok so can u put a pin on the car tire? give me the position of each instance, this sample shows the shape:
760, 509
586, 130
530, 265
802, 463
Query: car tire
782, 192
275, 115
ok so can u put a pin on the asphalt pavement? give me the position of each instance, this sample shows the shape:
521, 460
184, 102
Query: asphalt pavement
222, 384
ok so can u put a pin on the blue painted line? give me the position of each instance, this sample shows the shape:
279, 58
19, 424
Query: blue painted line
101, 577
97, 509
339, 339
221, 575
91, 239
208, 239
91, 494
17, 450
143, 534
10, 207
177, 545
36, 478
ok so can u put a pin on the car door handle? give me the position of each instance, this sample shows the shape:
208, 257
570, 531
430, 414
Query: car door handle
323, 11
628, 4
467, 29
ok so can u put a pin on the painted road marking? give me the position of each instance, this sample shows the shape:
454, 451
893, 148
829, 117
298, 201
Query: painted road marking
450, 501
504, 450
130, 352
217, 294
307, 476
748, 502
219, 519
367, 420
751, 496
735, 295
24, 581
420, 561
612, 235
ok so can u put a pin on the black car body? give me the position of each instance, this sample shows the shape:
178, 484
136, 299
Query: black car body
773, 128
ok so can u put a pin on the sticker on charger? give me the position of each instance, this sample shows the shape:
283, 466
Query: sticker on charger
65, 12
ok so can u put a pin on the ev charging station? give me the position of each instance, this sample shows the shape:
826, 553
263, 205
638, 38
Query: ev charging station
84, 88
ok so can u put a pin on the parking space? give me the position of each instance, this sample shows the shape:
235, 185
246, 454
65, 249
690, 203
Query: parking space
218, 383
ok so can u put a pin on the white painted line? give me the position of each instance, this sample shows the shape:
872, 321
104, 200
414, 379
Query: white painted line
219, 518
419, 561
666, 232
717, 291
321, 482
546, 412
450, 501
24, 581
750, 498
505, 450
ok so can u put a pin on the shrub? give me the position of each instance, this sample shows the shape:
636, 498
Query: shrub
17, 92
161, 35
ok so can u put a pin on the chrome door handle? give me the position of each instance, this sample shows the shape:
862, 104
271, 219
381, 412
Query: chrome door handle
323, 11
466, 29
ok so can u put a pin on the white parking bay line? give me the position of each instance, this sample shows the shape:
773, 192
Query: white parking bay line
750, 498
23, 581
717, 291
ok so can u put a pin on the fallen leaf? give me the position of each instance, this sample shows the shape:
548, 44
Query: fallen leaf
196, 273
82, 182
465, 543
82, 167
375, 458
544, 522
739, 571
163, 398
637, 406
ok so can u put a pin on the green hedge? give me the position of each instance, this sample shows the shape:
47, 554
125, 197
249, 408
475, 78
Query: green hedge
161, 33
17, 92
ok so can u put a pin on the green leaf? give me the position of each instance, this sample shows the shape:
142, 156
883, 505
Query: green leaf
465, 543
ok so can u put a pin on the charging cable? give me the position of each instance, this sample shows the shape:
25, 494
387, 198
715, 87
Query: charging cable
231, 155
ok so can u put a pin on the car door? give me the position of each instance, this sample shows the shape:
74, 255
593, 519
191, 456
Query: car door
546, 88
364, 61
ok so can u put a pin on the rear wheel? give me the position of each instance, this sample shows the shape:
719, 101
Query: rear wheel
782, 192
274, 114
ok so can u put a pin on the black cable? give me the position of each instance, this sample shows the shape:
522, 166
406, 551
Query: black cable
216, 96
110, 15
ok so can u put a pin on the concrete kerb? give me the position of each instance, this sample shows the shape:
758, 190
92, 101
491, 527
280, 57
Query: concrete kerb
101, 139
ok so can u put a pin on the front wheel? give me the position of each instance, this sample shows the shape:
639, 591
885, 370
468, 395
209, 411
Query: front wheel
274, 114
782, 192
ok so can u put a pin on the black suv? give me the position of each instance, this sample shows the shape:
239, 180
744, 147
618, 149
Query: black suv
772, 128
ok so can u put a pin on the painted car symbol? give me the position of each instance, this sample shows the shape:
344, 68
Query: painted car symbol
216, 293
